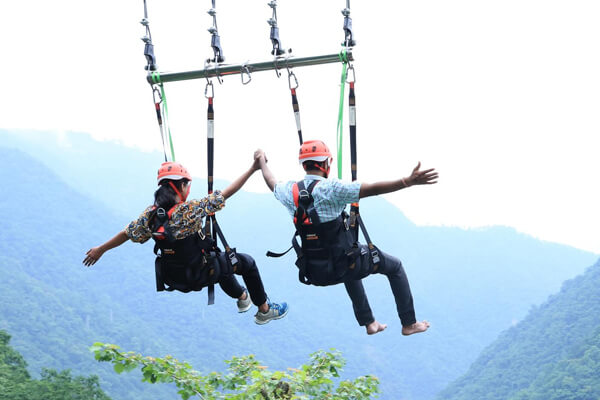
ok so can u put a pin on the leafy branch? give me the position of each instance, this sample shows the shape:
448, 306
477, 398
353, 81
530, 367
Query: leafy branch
246, 377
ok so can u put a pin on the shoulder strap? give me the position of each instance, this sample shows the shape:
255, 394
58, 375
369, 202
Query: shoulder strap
304, 202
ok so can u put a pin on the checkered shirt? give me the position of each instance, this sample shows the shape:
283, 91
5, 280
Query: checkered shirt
330, 196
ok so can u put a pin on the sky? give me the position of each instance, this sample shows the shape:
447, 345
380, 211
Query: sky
501, 97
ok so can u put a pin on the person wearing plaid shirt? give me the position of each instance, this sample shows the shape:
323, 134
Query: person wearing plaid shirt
329, 199
185, 221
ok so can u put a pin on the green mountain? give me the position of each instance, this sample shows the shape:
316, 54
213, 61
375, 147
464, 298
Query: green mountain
64, 199
16, 383
553, 354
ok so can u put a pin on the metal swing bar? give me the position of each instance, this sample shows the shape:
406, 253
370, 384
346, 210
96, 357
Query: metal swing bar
220, 70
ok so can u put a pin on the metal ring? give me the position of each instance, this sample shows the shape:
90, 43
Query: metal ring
246, 70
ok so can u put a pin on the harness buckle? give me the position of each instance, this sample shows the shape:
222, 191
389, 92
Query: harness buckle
375, 256
303, 194
232, 258
161, 213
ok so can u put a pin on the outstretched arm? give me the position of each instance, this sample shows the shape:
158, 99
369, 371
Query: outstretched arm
239, 182
426, 177
268, 176
95, 253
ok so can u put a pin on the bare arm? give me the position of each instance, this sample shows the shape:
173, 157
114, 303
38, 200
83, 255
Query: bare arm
268, 176
95, 253
426, 177
239, 182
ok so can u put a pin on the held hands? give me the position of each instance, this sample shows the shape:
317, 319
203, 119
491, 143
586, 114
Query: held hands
426, 177
92, 256
259, 155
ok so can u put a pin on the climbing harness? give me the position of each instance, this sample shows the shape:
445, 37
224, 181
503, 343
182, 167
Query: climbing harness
186, 265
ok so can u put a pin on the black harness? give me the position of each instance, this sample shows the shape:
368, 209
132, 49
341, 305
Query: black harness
187, 264
327, 251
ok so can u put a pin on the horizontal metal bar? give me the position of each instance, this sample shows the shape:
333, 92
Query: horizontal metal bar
233, 69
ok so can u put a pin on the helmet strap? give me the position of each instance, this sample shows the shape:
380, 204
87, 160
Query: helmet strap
317, 165
181, 197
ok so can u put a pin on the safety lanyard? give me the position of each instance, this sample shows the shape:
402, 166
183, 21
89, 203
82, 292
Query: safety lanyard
162, 115
295, 105
354, 208
212, 228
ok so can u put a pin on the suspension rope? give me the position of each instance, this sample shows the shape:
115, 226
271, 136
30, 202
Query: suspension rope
295, 105
211, 228
340, 126
158, 91
277, 48
147, 39
215, 42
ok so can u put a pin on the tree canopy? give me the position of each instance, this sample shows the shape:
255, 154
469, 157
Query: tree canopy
247, 378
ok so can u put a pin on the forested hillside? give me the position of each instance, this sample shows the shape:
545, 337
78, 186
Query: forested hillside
17, 384
553, 354
55, 308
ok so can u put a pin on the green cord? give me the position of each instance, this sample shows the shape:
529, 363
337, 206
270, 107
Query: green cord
340, 126
164, 98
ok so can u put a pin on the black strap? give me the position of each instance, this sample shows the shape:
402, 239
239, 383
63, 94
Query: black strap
306, 207
300, 261
276, 255
354, 208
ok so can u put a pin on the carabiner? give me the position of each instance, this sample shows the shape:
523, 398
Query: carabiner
155, 94
246, 70
350, 69
290, 76
209, 84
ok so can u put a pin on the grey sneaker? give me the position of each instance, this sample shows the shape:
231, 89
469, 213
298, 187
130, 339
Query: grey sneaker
244, 305
276, 311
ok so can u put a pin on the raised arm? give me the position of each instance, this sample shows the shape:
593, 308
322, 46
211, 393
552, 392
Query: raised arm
95, 253
426, 177
268, 176
239, 182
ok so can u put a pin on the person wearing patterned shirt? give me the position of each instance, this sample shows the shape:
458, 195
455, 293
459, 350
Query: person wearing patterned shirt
183, 228
317, 204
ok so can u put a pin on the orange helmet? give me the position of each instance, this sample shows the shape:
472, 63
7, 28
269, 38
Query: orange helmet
172, 170
314, 150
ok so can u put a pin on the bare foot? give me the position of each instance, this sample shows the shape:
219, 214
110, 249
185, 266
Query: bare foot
375, 327
417, 327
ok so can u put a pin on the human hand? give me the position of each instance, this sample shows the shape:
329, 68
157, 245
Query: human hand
426, 177
92, 256
259, 155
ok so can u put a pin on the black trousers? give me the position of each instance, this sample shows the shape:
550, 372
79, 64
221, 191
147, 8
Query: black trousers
392, 268
246, 267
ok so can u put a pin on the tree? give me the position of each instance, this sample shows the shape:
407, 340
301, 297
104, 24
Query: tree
247, 378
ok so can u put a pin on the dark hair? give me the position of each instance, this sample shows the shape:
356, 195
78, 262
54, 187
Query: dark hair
313, 165
165, 196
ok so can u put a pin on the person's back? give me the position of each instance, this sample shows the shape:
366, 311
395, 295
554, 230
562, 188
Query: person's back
328, 199
186, 261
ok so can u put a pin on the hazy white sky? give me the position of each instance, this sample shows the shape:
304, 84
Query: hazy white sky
502, 97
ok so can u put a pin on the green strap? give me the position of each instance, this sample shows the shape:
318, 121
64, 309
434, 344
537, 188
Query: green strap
156, 79
340, 126
164, 97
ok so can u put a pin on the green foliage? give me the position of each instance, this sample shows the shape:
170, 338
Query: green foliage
553, 355
16, 383
247, 378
